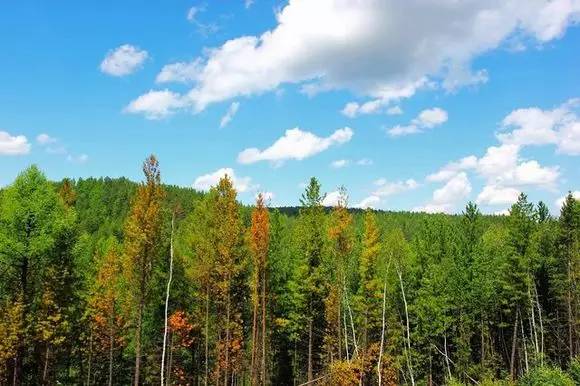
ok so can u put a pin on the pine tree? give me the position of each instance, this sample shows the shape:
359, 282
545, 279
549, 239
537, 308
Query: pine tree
569, 262
309, 280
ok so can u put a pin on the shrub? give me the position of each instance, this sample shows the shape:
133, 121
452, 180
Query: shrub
546, 376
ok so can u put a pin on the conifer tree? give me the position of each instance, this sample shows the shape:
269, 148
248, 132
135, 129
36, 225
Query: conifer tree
569, 264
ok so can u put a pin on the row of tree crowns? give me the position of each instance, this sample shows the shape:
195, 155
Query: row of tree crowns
109, 282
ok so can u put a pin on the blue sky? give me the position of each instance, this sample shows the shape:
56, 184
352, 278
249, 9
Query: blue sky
410, 105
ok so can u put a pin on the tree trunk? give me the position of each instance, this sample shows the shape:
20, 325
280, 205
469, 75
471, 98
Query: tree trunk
379, 363
264, 327
408, 328
138, 339
570, 317
111, 342
310, 377
227, 345
167, 298
45, 370
253, 370
514, 346
206, 336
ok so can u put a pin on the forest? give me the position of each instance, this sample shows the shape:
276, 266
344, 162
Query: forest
111, 282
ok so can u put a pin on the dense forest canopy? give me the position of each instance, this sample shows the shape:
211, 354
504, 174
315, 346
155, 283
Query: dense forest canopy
106, 281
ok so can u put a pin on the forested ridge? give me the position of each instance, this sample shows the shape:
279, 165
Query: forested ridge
107, 281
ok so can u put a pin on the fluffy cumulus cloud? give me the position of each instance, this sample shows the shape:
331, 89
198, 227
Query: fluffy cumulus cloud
445, 198
13, 144
497, 195
229, 115
123, 60
453, 168
369, 202
206, 181
504, 172
534, 126
332, 198
387, 188
156, 104
368, 47
295, 144
503, 168
427, 119
182, 72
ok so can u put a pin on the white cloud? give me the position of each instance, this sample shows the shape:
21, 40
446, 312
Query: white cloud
452, 168
229, 115
268, 196
248, 3
386, 188
45, 139
497, 160
206, 181
295, 144
193, 12
503, 212
427, 119
399, 131
447, 197
123, 60
501, 165
81, 158
156, 104
387, 96
53, 145
332, 198
182, 72
497, 195
204, 29
368, 202
534, 126
430, 118
560, 201
395, 110
340, 163
367, 46
13, 145
364, 162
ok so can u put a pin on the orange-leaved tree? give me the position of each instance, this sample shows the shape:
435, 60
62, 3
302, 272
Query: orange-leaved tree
142, 231
259, 244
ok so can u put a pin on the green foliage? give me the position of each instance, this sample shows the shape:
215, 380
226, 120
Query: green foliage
442, 299
546, 376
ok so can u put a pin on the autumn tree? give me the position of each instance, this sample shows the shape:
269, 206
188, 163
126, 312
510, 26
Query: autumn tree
259, 246
225, 237
142, 230
340, 325
107, 321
